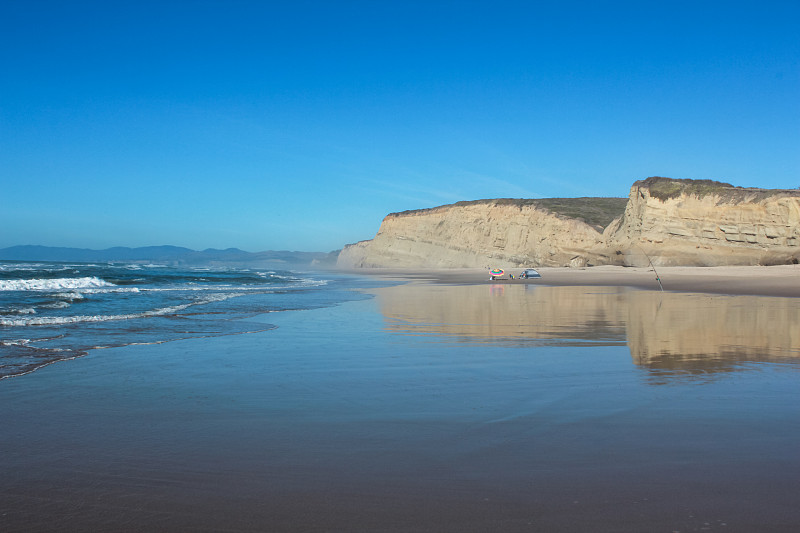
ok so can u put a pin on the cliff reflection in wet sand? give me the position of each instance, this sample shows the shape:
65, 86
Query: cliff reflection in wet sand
670, 334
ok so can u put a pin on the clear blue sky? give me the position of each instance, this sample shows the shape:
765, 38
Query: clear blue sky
300, 125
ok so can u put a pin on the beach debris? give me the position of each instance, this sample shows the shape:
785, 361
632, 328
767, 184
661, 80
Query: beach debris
658, 278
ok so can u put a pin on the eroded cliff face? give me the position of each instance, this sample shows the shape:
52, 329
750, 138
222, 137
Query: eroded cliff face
702, 223
479, 234
668, 222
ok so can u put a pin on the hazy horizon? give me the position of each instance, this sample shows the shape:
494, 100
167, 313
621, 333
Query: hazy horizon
265, 126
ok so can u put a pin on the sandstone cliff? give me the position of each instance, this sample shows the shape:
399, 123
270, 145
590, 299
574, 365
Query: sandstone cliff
706, 223
666, 221
487, 233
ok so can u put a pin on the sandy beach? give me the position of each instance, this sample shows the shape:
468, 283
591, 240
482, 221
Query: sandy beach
448, 405
783, 280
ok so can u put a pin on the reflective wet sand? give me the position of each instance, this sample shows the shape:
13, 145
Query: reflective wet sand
430, 408
669, 334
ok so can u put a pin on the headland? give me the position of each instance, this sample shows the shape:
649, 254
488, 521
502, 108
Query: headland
662, 222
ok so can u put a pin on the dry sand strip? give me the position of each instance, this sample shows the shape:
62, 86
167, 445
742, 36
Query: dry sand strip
781, 280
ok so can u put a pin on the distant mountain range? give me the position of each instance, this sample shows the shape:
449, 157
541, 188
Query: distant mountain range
167, 254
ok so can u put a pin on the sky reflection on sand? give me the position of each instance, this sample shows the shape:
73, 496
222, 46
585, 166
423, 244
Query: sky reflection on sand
672, 335
428, 408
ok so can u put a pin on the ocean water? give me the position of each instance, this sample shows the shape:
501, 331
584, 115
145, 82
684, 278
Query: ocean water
52, 311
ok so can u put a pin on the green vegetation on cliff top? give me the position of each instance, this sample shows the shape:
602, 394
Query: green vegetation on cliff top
597, 212
600, 212
668, 188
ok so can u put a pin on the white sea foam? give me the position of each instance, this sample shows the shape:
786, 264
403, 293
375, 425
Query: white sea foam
73, 295
21, 311
56, 305
111, 288
15, 342
52, 284
310, 282
59, 320
4, 267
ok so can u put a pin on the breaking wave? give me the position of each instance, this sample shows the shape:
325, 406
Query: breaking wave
53, 284
57, 311
59, 320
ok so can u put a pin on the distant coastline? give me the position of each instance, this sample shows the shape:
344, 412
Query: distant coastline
167, 255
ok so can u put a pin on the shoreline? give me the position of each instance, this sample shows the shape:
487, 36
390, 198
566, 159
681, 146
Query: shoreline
444, 404
780, 280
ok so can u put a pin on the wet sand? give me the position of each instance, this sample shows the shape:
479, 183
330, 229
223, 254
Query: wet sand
783, 280
456, 406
